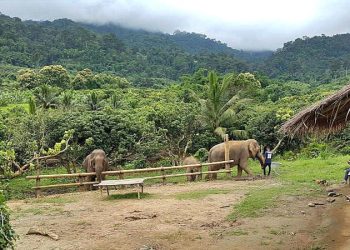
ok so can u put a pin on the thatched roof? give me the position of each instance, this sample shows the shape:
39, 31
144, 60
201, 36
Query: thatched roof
327, 116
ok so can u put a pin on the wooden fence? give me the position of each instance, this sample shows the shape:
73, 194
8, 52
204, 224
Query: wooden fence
121, 173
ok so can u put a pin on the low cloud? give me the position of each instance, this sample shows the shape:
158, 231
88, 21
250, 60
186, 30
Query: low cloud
249, 24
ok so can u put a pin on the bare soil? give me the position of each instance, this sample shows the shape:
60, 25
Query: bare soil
87, 220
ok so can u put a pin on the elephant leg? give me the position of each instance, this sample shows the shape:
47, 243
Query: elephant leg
199, 176
189, 177
213, 176
239, 171
246, 169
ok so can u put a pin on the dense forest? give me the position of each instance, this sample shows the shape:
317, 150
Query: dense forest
317, 60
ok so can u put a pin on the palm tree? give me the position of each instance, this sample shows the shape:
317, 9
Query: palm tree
67, 99
32, 105
114, 101
93, 101
217, 108
46, 97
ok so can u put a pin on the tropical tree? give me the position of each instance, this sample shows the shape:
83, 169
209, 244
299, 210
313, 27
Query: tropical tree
115, 101
55, 75
32, 106
67, 100
217, 108
85, 79
27, 78
93, 101
46, 96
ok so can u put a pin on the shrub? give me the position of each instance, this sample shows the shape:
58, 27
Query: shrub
7, 234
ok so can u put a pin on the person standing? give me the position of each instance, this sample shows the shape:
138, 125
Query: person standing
347, 171
268, 159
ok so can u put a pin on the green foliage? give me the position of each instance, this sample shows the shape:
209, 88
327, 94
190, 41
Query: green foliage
7, 234
319, 59
27, 78
151, 59
54, 75
32, 106
46, 96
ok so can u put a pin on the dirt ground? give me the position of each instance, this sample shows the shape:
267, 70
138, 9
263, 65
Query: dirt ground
86, 220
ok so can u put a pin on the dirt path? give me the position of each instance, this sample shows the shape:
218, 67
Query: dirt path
338, 236
161, 221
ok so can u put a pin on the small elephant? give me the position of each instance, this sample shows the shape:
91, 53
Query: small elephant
190, 161
239, 151
96, 162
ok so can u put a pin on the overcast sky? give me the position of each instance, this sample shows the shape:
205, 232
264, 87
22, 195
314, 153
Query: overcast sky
242, 24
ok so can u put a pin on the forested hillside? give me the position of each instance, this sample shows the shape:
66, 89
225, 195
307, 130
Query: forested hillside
192, 43
317, 60
148, 59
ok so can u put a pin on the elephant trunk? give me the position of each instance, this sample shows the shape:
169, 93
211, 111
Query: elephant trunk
261, 159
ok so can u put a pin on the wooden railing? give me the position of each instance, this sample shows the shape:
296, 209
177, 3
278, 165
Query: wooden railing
82, 176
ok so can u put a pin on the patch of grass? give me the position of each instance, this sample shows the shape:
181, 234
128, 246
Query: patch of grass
37, 211
54, 200
238, 232
128, 196
277, 232
20, 187
25, 106
200, 194
295, 178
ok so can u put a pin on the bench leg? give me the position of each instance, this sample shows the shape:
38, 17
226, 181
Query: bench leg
107, 190
141, 188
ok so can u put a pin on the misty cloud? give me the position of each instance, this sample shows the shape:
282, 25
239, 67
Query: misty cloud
249, 24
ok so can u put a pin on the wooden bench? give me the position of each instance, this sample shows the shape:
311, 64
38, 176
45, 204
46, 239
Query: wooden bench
126, 182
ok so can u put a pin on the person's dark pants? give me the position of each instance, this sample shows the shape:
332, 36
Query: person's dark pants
267, 165
346, 176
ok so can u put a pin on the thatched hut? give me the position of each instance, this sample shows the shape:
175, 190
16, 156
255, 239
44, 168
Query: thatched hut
327, 116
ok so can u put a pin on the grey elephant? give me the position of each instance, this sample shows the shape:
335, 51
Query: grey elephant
190, 160
97, 162
239, 151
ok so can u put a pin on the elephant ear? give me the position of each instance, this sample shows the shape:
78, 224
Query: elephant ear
105, 164
252, 147
86, 162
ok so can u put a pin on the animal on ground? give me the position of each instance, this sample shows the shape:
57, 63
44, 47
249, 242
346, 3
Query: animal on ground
190, 160
239, 151
97, 162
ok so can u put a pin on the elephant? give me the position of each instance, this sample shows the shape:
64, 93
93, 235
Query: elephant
239, 151
189, 161
96, 162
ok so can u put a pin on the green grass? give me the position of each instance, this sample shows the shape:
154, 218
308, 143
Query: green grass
128, 196
20, 187
54, 200
25, 106
294, 178
200, 194
237, 232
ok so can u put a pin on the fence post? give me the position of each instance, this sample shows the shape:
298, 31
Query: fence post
37, 180
163, 174
121, 175
81, 186
227, 156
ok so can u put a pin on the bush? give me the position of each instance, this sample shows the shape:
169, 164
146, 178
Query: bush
7, 234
